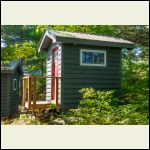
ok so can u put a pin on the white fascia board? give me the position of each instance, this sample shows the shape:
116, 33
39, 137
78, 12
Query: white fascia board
51, 36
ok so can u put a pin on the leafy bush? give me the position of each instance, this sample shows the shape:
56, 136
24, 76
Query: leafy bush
40, 85
103, 107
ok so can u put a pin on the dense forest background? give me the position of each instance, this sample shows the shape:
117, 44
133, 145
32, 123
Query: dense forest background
20, 42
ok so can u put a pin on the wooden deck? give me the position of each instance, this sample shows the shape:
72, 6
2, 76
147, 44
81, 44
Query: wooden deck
40, 104
30, 101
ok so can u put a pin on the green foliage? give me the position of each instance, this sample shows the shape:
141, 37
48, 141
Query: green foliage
88, 93
39, 60
135, 33
102, 107
5, 63
92, 98
7, 53
20, 42
12, 34
41, 88
25, 50
135, 79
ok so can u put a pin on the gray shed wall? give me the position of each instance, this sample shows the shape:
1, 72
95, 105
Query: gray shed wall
76, 77
9, 97
49, 60
14, 95
48, 72
4, 95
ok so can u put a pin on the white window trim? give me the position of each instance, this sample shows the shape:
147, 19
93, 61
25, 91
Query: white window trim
14, 82
87, 50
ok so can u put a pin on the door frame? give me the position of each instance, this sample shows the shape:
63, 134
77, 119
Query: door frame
53, 86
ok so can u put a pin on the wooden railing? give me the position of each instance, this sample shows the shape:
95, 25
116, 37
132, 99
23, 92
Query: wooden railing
29, 82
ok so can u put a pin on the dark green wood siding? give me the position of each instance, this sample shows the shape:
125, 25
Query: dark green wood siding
76, 77
14, 94
9, 97
4, 95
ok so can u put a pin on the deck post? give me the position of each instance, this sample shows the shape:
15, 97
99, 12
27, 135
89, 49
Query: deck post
34, 92
29, 92
56, 80
24, 92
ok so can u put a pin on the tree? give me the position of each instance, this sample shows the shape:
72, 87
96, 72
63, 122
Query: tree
20, 42
12, 34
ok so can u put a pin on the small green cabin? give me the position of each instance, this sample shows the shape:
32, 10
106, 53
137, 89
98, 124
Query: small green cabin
81, 60
11, 75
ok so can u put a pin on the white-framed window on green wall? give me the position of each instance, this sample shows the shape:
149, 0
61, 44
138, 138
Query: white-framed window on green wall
92, 57
14, 84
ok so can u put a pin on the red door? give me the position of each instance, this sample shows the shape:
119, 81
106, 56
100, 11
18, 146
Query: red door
54, 71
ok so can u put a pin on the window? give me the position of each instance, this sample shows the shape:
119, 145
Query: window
14, 84
92, 57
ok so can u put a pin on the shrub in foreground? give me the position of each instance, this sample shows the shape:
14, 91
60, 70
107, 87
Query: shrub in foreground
103, 107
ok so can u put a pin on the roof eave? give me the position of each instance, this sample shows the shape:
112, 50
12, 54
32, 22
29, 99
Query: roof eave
94, 42
7, 71
17, 65
44, 37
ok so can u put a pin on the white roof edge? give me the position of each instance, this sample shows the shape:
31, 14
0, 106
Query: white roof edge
51, 36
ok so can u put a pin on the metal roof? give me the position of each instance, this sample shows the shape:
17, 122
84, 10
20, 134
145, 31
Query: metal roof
88, 36
53, 36
10, 67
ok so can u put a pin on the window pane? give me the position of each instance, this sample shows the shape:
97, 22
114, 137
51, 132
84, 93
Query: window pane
14, 84
87, 57
83, 57
98, 58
